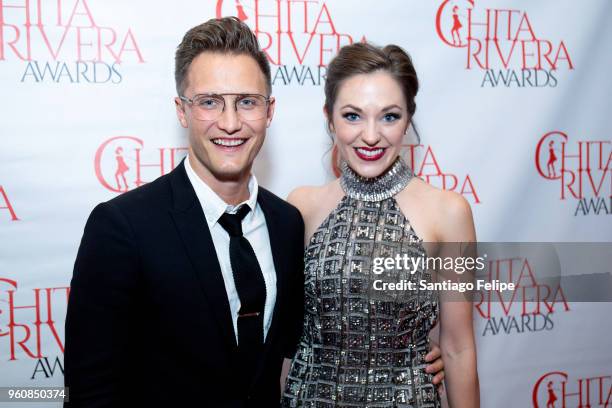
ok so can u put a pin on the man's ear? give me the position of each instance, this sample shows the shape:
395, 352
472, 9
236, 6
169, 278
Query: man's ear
271, 106
180, 112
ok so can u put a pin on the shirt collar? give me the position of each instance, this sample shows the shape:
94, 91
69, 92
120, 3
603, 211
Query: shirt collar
213, 205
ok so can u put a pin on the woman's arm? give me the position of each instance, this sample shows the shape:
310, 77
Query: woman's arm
456, 325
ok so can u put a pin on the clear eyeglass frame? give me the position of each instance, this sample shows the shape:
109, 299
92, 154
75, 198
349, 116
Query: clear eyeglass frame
255, 111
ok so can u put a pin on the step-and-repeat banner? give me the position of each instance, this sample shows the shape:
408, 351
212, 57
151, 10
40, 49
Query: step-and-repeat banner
513, 113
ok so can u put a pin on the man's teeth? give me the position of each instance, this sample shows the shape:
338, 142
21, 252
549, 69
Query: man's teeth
229, 142
370, 153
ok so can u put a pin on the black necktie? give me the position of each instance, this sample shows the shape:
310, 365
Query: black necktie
249, 282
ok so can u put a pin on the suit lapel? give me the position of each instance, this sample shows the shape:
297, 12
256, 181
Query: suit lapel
191, 225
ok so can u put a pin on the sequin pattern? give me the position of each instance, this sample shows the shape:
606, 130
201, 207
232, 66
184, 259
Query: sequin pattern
361, 348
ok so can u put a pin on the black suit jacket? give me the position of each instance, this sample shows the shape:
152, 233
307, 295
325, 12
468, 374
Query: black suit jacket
148, 320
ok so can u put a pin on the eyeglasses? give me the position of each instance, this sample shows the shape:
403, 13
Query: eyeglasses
211, 106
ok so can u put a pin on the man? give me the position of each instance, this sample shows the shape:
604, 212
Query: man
190, 288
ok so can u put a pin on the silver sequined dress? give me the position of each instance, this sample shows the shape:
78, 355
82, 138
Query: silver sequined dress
361, 347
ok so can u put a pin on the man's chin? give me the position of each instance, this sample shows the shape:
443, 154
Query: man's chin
232, 174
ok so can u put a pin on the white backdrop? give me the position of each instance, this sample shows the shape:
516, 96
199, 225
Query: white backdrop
79, 79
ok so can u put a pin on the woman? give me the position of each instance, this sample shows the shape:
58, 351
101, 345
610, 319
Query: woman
456, 27
360, 347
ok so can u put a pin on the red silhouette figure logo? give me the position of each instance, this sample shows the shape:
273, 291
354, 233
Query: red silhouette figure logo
122, 168
552, 158
450, 14
240, 11
551, 396
456, 27
239, 7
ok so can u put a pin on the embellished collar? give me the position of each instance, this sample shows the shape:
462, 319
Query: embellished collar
389, 183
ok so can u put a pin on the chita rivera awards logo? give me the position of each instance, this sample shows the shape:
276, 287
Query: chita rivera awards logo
530, 307
299, 37
63, 42
122, 163
558, 389
505, 44
581, 168
424, 163
32, 326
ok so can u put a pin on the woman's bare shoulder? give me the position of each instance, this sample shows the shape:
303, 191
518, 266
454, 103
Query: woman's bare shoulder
450, 211
434, 197
308, 199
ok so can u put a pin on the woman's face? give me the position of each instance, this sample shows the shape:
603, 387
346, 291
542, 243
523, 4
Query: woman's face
369, 120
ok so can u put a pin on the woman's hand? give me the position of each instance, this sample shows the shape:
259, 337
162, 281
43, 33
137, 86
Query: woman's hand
436, 365
284, 374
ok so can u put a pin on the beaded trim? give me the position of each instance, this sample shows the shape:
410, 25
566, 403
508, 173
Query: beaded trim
379, 188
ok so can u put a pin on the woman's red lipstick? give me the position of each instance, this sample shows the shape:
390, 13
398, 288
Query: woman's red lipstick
369, 153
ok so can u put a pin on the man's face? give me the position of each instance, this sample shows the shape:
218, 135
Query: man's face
224, 148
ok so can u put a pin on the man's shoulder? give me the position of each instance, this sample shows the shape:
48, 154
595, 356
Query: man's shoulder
146, 200
278, 204
150, 193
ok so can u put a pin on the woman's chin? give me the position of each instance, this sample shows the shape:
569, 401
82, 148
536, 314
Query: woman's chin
370, 169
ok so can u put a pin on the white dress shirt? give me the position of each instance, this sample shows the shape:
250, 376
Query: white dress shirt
254, 230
